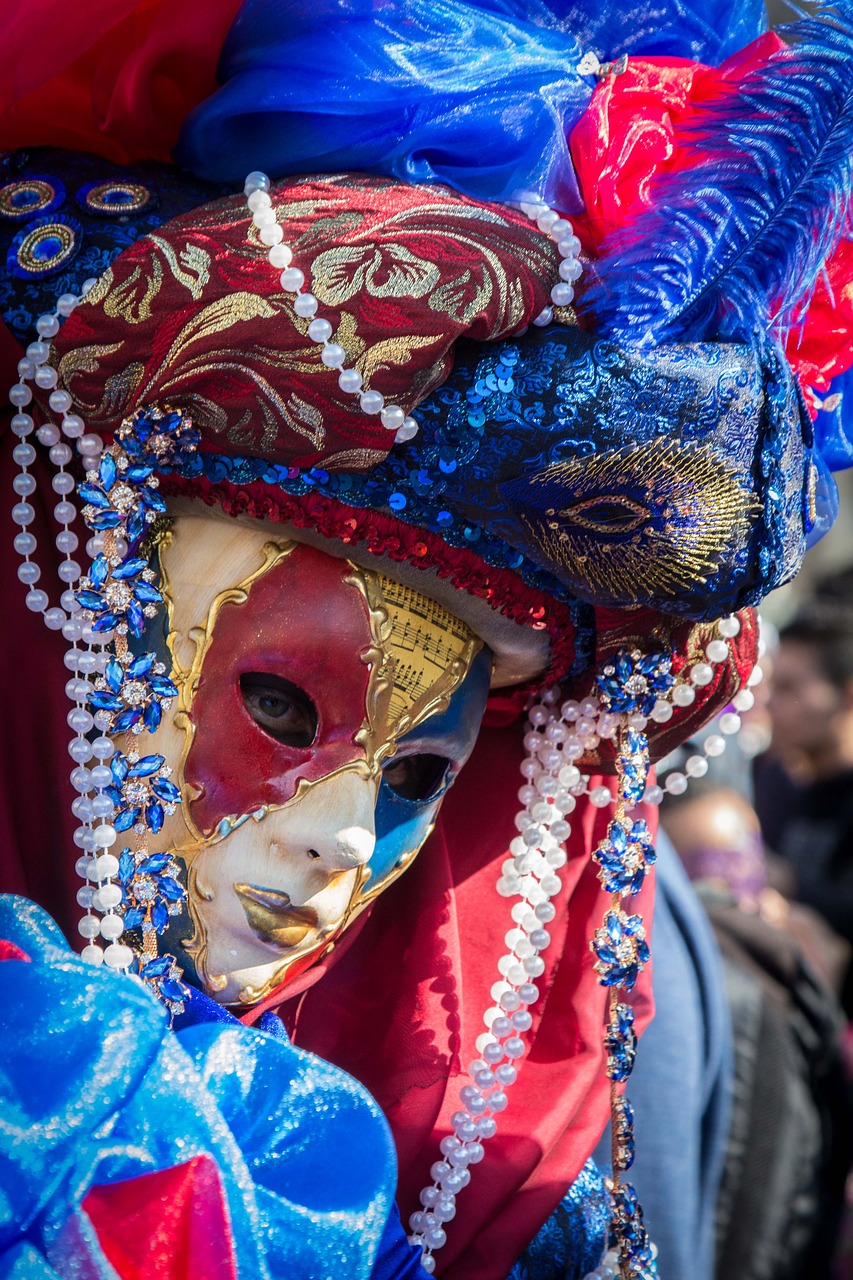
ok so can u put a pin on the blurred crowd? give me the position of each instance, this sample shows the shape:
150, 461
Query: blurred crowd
766, 836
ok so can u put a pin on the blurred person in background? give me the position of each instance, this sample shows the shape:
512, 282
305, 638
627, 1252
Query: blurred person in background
790, 1140
804, 788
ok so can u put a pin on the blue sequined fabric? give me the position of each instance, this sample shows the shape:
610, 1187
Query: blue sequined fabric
64, 216
573, 1240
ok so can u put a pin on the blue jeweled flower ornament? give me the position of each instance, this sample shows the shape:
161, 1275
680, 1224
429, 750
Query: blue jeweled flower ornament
118, 599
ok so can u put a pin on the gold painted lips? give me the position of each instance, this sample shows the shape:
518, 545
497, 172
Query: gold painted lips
272, 916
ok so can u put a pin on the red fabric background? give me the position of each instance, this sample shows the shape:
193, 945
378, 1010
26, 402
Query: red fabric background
116, 77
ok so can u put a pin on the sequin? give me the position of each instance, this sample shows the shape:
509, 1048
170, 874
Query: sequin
115, 199
44, 247
30, 196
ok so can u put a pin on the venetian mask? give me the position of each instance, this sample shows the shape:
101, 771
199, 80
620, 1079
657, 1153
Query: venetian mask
324, 711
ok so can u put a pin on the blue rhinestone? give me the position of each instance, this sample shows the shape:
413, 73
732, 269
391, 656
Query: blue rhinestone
130, 568
146, 766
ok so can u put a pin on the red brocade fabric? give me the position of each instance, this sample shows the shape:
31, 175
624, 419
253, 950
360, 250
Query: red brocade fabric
403, 1006
195, 315
168, 1225
115, 77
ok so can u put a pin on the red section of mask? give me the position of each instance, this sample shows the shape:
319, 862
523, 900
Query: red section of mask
301, 622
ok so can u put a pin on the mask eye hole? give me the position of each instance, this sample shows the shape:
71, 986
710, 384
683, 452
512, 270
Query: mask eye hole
416, 777
279, 708
614, 513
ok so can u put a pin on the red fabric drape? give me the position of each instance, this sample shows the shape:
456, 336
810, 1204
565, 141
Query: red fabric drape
116, 77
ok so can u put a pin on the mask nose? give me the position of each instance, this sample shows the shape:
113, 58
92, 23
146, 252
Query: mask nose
335, 823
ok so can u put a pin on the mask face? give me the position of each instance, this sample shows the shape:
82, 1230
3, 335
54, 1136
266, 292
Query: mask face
324, 710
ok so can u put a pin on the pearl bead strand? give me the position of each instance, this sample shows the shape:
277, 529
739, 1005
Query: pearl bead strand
292, 279
96, 865
556, 738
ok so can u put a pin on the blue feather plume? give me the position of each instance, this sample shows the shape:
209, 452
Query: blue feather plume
733, 246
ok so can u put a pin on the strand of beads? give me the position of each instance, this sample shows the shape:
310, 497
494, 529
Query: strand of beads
333, 355
95, 865
530, 874
568, 245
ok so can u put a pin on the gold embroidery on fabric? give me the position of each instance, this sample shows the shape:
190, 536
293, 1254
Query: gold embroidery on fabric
84, 360
383, 271
190, 267
697, 508
353, 460
131, 300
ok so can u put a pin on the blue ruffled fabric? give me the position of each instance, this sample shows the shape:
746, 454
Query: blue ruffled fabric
426, 91
479, 96
94, 1089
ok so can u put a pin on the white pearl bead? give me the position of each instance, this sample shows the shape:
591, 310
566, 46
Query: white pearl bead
256, 181
683, 695
46, 377
89, 927
333, 355
676, 783
59, 401
546, 219
407, 431
104, 836
570, 270
292, 280
696, 766
306, 305
20, 394
118, 956
701, 673
729, 626
320, 331
559, 228
392, 417
280, 255
755, 678
349, 380
21, 424
36, 601
73, 426
729, 722
106, 866
569, 247
600, 797
371, 402
47, 326
112, 927
653, 795
109, 896
90, 446
661, 712
259, 199
744, 701
38, 352
545, 317
562, 294
714, 745
717, 650
271, 234
66, 303
92, 954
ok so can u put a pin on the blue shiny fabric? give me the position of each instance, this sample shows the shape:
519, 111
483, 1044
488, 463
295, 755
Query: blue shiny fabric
428, 91
573, 1240
704, 31
95, 1089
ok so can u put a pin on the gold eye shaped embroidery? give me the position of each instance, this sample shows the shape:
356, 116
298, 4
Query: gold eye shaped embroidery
610, 513
689, 513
